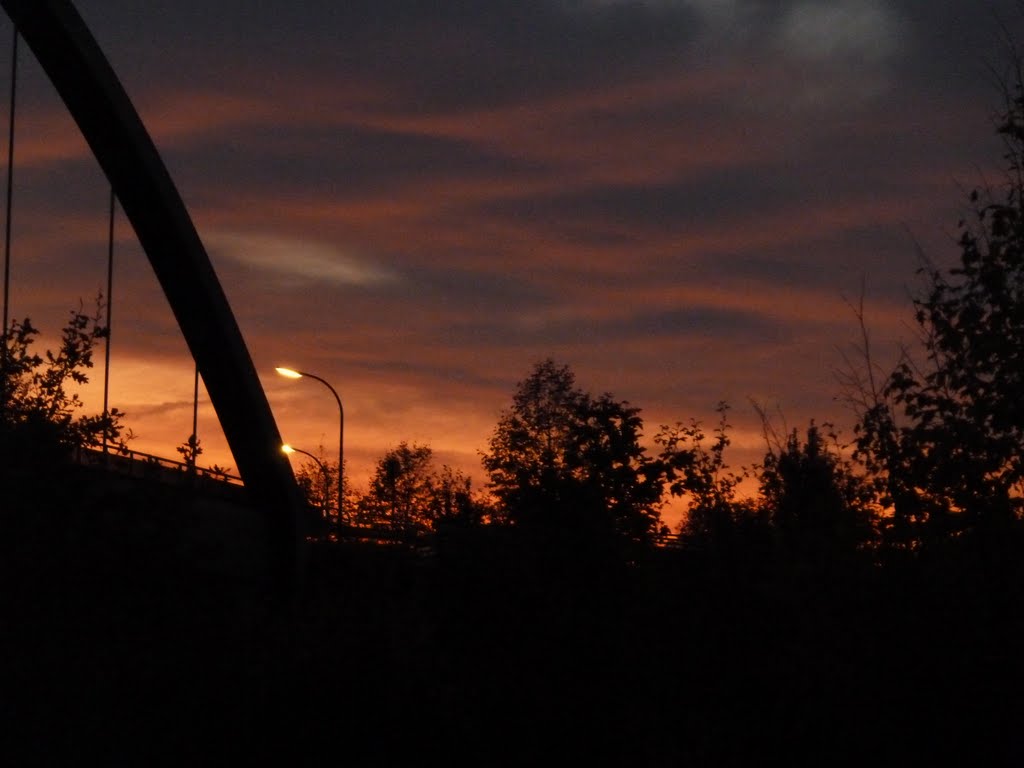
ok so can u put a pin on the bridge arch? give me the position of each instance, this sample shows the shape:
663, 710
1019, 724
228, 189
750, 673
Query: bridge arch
95, 98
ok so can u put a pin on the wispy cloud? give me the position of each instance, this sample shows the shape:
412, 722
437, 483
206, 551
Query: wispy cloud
297, 258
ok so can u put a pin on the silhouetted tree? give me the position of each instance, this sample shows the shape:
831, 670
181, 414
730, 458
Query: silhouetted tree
562, 459
699, 472
819, 506
39, 407
407, 493
453, 501
399, 490
190, 451
318, 479
945, 437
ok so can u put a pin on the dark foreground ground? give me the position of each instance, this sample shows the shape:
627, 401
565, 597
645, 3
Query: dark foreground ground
137, 630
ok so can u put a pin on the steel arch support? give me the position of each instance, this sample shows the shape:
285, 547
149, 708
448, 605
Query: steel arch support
95, 98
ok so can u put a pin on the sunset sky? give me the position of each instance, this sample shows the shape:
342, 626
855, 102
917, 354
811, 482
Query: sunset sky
418, 201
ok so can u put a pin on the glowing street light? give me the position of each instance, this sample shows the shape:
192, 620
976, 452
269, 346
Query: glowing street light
290, 449
290, 373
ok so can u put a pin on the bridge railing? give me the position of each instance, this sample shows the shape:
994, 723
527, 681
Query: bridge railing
140, 464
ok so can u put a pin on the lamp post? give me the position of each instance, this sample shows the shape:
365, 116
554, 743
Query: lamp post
288, 449
289, 373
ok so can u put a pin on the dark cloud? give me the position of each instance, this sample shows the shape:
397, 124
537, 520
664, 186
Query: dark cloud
338, 162
956, 42
434, 55
552, 329
478, 291
716, 324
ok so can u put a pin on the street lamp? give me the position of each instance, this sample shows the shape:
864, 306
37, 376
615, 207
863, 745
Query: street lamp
288, 449
289, 373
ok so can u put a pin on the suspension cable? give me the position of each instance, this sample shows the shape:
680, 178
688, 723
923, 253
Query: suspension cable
110, 306
195, 409
7, 226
